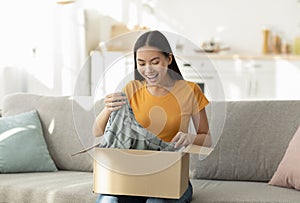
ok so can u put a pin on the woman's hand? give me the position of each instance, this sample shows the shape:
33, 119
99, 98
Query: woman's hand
114, 101
183, 139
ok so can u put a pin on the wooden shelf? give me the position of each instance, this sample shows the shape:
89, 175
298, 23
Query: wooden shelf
242, 56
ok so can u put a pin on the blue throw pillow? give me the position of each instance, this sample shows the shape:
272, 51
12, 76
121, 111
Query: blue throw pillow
22, 145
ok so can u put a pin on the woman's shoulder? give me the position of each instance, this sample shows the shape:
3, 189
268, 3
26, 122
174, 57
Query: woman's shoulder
186, 87
192, 92
186, 83
133, 86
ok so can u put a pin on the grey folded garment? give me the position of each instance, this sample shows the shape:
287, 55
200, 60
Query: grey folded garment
123, 131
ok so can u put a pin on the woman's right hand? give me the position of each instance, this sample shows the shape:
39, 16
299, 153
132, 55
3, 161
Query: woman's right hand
114, 101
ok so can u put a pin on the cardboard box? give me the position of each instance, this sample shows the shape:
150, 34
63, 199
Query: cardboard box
143, 172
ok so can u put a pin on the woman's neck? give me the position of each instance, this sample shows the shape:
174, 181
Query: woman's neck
161, 89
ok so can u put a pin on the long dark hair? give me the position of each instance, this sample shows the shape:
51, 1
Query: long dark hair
158, 40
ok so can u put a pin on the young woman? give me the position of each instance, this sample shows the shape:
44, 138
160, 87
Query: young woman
162, 102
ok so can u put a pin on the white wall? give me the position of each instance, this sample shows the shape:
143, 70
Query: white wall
242, 20
42, 48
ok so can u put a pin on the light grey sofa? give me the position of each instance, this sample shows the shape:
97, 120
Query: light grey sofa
254, 139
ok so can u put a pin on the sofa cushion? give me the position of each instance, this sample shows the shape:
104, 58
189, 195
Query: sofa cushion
58, 187
67, 125
288, 171
22, 144
215, 191
254, 139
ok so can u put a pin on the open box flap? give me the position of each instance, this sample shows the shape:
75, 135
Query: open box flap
191, 149
196, 149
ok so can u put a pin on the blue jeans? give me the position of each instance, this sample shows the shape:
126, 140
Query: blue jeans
186, 198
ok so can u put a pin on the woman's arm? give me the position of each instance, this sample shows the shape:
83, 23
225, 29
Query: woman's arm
100, 122
112, 102
202, 137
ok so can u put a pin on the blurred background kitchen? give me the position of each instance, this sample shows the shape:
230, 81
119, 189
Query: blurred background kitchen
245, 49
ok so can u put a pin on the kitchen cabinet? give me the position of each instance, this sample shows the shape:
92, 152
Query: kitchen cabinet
230, 79
262, 81
235, 79
288, 79
247, 79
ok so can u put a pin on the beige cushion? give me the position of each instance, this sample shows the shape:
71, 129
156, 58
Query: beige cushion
288, 171
67, 125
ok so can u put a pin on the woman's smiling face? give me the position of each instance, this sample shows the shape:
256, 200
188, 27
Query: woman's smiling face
152, 65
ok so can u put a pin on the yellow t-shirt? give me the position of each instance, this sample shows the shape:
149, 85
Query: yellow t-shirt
168, 114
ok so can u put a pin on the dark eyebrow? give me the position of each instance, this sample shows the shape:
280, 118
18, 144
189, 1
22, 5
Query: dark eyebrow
155, 58
150, 59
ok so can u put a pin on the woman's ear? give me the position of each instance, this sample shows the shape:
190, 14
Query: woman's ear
170, 58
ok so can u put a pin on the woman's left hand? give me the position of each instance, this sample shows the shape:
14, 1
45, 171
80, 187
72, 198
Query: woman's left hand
183, 139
